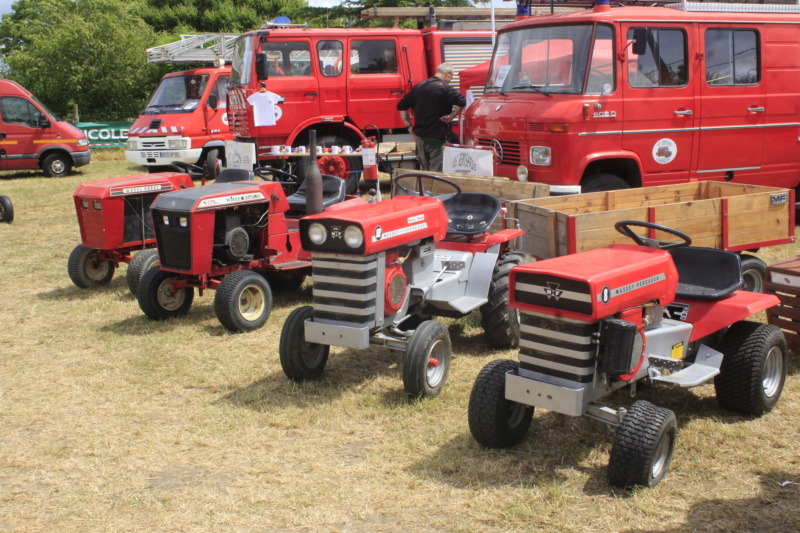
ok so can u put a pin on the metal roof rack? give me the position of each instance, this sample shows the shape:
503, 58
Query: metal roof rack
201, 48
717, 7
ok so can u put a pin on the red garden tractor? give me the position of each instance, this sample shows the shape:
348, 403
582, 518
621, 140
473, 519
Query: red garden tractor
597, 321
6, 209
383, 271
231, 237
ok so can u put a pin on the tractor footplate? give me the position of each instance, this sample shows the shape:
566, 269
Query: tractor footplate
706, 366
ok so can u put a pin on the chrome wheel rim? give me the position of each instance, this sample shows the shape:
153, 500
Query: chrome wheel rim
773, 372
436, 363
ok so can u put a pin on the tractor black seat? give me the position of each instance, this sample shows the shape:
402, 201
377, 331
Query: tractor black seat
706, 273
471, 213
234, 174
333, 191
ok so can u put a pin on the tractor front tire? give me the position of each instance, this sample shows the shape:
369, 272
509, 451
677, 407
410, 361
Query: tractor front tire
500, 322
754, 272
85, 270
57, 165
6, 209
157, 298
140, 263
301, 360
495, 421
427, 360
243, 301
753, 370
643, 446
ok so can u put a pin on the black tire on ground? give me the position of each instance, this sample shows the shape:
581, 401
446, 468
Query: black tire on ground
243, 301
427, 360
754, 272
643, 446
499, 321
140, 263
156, 298
495, 421
57, 165
301, 360
85, 270
353, 163
604, 182
213, 164
159, 168
753, 370
284, 281
6, 209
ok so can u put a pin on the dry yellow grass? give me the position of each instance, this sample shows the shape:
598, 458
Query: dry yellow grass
112, 422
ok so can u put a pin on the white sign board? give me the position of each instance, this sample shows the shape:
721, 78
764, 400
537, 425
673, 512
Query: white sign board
475, 161
240, 155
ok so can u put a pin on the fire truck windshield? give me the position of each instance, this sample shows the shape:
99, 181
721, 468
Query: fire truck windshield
242, 61
177, 94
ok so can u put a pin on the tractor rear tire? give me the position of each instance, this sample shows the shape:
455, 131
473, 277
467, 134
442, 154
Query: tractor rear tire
604, 182
85, 270
643, 446
427, 360
301, 360
140, 263
753, 370
754, 272
57, 165
155, 298
500, 322
243, 301
494, 421
6, 209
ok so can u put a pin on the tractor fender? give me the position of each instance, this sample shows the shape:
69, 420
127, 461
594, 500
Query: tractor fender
710, 316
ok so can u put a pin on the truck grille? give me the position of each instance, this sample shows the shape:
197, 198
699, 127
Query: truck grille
345, 289
174, 242
152, 145
510, 150
93, 227
557, 347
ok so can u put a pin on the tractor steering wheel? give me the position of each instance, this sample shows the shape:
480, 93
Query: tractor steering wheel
291, 179
186, 168
624, 227
413, 184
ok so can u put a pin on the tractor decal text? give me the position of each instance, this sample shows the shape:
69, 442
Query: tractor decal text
123, 191
418, 218
231, 200
379, 234
607, 293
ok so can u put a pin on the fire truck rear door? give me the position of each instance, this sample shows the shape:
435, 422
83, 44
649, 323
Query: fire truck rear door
374, 83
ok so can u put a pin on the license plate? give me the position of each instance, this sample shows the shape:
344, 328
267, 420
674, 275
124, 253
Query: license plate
168, 154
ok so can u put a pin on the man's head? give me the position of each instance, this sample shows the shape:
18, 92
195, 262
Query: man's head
445, 71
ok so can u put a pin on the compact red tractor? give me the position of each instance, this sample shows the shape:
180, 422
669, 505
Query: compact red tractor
231, 237
114, 219
597, 321
382, 271
6, 209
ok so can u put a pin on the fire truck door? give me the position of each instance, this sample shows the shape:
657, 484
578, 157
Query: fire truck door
21, 134
374, 83
292, 78
218, 118
659, 105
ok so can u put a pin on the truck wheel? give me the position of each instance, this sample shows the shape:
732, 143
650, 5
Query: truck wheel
301, 360
754, 272
140, 263
753, 369
213, 165
85, 270
57, 165
6, 209
643, 446
604, 182
427, 360
243, 301
499, 321
158, 300
346, 167
495, 421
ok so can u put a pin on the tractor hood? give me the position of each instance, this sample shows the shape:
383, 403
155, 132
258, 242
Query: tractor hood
223, 195
134, 185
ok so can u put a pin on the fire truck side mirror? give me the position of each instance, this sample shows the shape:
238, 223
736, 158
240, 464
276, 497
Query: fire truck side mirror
213, 101
42, 121
639, 41
261, 66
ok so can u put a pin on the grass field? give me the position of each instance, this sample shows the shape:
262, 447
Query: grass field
112, 422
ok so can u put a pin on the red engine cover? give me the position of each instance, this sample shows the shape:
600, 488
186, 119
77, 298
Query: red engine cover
596, 284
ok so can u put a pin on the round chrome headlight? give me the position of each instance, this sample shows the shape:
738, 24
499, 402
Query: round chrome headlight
317, 233
522, 173
353, 236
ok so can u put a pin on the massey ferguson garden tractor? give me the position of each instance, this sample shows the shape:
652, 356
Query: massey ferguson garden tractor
383, 271
597, 321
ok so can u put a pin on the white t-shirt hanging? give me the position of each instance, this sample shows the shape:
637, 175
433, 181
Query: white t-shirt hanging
264, 107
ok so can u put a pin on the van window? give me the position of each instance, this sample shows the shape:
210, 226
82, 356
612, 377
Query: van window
663, 64
17, 110
221, 88
330, 55
601, 69
732, 57
288, 58
373, 57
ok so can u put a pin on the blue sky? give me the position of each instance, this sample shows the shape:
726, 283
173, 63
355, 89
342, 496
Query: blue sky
5, 6
330, 3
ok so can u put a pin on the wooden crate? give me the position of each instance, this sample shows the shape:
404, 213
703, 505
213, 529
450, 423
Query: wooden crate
783, 280
714, 214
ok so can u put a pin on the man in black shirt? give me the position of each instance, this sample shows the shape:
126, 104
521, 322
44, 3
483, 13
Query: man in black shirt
434, 104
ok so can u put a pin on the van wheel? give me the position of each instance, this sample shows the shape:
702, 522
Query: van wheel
57, 165
213, 165
604, 182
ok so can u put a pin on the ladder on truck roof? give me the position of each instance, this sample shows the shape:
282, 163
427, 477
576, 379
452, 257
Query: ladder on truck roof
210, 48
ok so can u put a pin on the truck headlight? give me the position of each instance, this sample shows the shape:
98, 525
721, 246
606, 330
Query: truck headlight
317, 233
132, 144
178, 144
82, 142
353, 236
540, 155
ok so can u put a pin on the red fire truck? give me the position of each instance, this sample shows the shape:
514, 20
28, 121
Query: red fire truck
610, 98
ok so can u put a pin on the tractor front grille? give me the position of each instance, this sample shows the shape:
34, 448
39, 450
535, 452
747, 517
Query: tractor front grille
554, 292
345, 289
557, 347
174, 241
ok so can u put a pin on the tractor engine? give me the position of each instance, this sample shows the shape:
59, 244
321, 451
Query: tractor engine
237, 233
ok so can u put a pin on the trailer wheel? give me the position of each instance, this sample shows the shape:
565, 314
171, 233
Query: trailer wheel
754, 272
243, 301
753, 369
500, 322
6, 209
495, 421
643, 446
301, 360
427, 360
140, 263
57, 165
213, 165
604, 182
85, 270
157, 297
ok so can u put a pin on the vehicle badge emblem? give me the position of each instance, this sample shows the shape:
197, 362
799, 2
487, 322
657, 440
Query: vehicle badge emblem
552, 290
